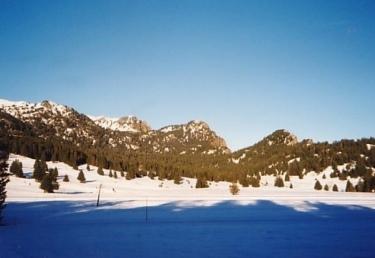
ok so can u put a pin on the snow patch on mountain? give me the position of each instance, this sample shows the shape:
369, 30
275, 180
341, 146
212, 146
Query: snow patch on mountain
123, 124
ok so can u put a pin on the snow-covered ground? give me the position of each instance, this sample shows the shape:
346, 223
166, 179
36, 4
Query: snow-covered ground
153, 218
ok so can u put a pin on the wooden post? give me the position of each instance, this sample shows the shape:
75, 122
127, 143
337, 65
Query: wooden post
97, 202
146, 210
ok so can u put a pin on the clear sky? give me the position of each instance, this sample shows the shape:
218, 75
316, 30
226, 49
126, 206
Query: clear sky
247, 67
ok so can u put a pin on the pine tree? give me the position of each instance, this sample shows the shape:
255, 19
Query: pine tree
16, 168
66, 178
343, 175
3, 179
100, 171
43, 164
360, 187
324, 176
244, 181
47, 184
39, 171
81, 176
54, 173
201, 183
369, 183
349, 187
326, 188
88, 167
291, 186
255, 181
335, 173
318, 186
279, 182
233, 188
177, 179
151, 175
115, 174
130, 175
13, 167
55, 184
335, 188
122, 173
287, 178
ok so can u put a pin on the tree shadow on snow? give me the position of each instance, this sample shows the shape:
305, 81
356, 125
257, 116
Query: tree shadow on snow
185, 211
194, 229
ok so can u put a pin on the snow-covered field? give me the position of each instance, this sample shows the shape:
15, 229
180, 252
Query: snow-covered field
153, 218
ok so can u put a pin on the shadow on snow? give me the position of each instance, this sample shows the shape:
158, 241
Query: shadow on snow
184, 229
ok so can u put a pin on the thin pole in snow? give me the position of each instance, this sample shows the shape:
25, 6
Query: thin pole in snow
146, 210
97, 202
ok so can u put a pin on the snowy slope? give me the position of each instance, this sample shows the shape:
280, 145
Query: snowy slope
146, 218
26, 189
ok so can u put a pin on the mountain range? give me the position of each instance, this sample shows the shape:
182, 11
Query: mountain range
51, 131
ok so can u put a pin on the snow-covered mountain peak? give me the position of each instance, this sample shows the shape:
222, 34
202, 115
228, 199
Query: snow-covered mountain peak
122, 124
7, 103
23, 109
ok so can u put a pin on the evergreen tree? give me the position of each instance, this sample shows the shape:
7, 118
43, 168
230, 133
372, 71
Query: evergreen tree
39, 171
47, 183
349, 187
115, 174
100, 171
55, 184
201, 183
369, 184
326, 188
66, 178
151, 175
295, 169
16, 168
130, 175
343, 175
177, 179
360, 187
279, 182
110, 173
122, 173
291, 186
324, 176
335, 173
287, 178
43, 164
255, 181
81, 176
88, 167
233, 188
3, 179
244, 181
335, 188
54, 173
318, 186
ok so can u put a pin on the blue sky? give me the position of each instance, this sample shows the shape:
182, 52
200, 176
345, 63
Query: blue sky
245, 67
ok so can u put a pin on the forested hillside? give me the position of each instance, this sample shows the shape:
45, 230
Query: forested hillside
53, 132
